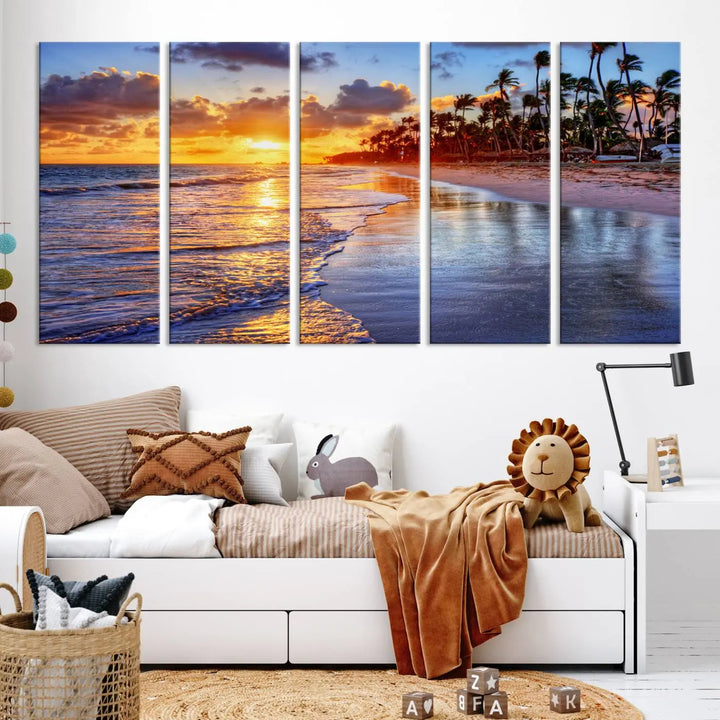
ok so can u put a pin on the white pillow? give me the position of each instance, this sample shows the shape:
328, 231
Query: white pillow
179, 526
265, 428
260, 468
349, 457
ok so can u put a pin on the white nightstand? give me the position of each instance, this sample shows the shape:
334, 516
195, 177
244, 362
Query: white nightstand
693, 507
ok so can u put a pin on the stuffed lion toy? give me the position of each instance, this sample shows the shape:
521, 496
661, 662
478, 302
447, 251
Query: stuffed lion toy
548, 465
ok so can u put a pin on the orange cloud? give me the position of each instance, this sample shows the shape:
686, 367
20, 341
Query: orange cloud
113, 112
442, 103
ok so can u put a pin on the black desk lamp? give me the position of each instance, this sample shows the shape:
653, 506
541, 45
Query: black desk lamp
682, 373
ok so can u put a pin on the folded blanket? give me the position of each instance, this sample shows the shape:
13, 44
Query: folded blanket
453, 568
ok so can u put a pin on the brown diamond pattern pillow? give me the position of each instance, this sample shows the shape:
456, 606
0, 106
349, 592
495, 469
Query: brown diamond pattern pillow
185, 463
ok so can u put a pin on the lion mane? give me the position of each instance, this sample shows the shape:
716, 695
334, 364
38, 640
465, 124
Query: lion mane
580, 450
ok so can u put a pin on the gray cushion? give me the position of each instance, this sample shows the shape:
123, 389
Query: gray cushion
101, 594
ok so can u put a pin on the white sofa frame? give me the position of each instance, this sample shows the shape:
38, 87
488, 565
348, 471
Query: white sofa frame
333, 611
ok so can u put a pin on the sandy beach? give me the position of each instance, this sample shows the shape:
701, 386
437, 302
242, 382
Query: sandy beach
644, 187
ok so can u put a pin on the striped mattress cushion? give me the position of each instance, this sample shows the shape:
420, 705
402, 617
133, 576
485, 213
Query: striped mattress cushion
331, 528
94, 439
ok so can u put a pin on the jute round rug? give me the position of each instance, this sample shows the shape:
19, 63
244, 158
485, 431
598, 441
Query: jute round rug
283, 694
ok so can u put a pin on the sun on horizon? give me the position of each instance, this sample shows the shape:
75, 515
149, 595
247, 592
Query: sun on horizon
229, 103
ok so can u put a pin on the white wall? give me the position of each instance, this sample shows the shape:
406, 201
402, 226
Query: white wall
458, 407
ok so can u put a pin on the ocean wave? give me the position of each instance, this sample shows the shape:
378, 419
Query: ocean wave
138, 331
100, 187
270, 244
219, 309
373, 208
207, 180
154, 183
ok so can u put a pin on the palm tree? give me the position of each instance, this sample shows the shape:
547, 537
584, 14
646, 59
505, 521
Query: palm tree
626, 64
505, 79
528, 101
597, 145
600, 48
461, 104
586, 85
542, 59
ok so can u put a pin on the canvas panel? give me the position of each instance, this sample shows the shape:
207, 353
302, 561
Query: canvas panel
99, 192
359, 220
620, 193
229, 192
490, 192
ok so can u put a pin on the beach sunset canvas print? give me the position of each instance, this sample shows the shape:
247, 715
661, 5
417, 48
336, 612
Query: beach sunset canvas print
99, 181
490, 193
620, 187
229, 192
359, 221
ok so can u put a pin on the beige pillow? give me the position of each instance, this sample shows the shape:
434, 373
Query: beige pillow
188, 464
94, 438
34, 474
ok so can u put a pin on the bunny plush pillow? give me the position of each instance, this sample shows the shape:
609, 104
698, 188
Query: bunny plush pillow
332, 457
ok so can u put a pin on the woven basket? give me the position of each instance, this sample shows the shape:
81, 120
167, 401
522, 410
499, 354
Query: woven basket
91, 674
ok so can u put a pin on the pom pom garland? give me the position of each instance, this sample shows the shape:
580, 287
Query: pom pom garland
7, 397
7, 243
8, 312
7, 351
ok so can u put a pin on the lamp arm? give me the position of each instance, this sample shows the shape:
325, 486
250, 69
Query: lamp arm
601, 367
605, 366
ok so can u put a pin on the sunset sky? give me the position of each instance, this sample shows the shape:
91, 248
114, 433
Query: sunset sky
350, 91
99, 103
459, 68
229, 102
657, 57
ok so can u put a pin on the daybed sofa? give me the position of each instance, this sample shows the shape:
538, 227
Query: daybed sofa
310, 610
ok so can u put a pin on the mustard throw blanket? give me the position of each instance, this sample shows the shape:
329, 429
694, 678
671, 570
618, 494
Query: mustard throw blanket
453, 568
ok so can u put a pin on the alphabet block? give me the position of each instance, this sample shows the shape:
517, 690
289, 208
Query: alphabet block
565, 699
418, 705
469, 703
496, 705
483, 680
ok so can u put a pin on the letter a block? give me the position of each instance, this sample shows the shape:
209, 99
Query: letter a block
418, 705
496, 706
469, 703
565, 699
483, 680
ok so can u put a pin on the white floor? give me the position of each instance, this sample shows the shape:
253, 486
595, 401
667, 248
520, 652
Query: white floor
683, 677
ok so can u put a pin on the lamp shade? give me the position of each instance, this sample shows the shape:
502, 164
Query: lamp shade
682, 369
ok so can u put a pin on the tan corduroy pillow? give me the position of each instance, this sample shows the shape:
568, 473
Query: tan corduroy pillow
31, 473
187, 463
93, 437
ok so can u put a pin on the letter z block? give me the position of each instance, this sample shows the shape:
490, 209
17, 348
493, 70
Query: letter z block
483, 680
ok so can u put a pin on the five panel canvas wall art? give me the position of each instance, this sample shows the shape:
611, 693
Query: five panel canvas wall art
361, 133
